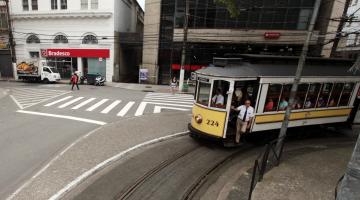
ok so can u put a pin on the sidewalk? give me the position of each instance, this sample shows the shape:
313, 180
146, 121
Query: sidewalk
309, 169
128, 86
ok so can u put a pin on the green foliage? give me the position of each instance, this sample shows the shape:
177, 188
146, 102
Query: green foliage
230, 5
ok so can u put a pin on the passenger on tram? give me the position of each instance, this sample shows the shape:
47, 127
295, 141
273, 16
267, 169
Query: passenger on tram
297, 104
244, 119
218, 99
321, 102
269, 105
308, 103
332, 103
283, 104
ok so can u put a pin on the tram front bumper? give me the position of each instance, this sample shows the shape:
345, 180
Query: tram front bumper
200, 134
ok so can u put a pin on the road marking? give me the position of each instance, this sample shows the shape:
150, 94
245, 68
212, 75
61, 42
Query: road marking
110, 107
158, 109
58, 101
141, 109
123, 111
189, 103
12, 196
16, 102
63, 117
70, 102
107, 162
97, 105
83, 103
169, 99
169, 104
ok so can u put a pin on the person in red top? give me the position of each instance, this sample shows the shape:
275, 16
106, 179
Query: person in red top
269, 106
74, 80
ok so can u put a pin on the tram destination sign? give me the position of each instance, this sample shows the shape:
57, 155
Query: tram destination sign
83, 53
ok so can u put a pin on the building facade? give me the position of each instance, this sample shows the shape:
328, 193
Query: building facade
349, 46
5, 54
74, 35
276, 27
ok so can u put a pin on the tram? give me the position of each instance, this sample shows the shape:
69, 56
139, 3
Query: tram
326, 94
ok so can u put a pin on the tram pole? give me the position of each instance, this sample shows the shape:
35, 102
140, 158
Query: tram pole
294, 87
349, 188
184, 44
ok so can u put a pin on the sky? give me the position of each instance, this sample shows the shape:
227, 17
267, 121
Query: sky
142, 3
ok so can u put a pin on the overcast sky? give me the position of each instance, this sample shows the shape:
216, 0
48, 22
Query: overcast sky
142, 3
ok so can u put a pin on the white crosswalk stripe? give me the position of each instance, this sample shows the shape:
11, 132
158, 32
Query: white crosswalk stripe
152, 103
179, 102
98, 104
27, 97
110, 107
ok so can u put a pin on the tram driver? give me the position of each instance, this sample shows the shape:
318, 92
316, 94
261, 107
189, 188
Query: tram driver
244, 120
218, 99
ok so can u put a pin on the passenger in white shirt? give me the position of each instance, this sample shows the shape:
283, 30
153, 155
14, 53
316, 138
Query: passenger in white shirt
218, 99
244, 120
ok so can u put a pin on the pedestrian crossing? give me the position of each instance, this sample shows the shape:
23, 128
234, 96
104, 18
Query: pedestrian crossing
27, 97
152, 102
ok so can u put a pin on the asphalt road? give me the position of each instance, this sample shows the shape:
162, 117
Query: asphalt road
29, 139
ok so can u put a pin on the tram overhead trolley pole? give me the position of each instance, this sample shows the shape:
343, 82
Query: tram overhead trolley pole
300, 66
184, 45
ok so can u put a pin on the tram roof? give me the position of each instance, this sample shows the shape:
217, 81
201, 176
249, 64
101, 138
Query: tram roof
248, 65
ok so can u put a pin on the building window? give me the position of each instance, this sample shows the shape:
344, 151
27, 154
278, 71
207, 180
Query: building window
94, 4
34, 4
54, 5
32, 39
90, 39
25, 5
63, 4
61, 39
84, 4
3, 21
34, 54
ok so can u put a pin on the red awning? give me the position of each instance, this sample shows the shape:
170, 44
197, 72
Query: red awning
187, 67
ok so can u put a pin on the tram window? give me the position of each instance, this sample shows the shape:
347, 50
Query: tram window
218, 97
312, 95
300, 96
335, 94
272, 98
203, 93
324, 95
284, 100
346, 94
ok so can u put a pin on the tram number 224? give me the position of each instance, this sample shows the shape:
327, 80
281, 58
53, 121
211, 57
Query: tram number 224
212, 123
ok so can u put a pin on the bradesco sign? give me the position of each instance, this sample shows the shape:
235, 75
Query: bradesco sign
83, 53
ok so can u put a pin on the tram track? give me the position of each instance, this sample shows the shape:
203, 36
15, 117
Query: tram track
175, 169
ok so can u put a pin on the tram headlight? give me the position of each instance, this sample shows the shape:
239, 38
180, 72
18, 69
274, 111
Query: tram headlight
198, 119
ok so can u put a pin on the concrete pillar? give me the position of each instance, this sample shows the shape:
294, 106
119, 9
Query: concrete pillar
80, 66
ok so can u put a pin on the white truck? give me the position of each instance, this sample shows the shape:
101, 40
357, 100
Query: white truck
37, 71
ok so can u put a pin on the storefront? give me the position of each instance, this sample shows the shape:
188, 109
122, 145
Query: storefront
85, 61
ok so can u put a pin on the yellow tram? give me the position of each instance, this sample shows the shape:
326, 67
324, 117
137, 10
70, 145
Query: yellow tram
326, 94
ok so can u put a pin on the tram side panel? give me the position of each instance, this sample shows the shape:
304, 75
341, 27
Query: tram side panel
268, 121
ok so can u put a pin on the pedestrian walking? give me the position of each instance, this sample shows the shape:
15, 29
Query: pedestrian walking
74, 81
173, 85
244, 120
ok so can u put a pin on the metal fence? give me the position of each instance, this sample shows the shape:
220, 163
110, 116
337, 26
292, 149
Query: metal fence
267, 159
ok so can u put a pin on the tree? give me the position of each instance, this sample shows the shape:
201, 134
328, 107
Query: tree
230, 5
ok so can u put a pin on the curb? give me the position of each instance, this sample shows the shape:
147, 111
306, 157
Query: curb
109, 161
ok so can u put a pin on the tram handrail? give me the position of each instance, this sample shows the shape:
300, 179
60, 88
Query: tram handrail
265, 159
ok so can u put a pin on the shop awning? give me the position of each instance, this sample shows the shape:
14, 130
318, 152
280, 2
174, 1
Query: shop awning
187, 67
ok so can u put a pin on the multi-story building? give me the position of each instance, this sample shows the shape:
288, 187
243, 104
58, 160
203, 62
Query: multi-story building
5, 55
75, 35
350, 44
275, 27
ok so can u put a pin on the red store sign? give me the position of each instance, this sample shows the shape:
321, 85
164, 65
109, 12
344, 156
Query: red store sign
83, 53
272, 35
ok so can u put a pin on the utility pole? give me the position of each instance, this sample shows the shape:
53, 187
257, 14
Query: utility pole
350, 185
299, 70
11, 38
342, 22
184, 44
